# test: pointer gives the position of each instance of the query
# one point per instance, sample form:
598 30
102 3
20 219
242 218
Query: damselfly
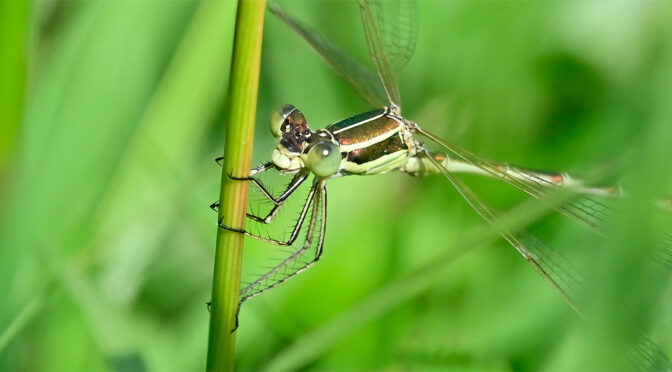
383 140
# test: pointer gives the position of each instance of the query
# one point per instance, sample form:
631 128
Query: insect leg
277 202
295 230
293 265
280 200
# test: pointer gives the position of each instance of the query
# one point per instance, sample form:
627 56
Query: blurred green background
112 112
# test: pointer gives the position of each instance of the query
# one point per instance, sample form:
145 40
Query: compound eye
278 118
324 159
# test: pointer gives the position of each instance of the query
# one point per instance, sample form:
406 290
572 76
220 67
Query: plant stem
13 39
233 195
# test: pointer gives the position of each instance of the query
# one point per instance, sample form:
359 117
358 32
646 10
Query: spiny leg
256 170
295 230
293 185
314 239
253 172
278 202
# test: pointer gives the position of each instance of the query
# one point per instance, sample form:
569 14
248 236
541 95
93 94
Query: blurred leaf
105 223
79 86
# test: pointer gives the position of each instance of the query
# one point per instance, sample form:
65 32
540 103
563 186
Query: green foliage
107 244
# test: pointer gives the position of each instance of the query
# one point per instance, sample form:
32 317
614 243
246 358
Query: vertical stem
233 195
13 39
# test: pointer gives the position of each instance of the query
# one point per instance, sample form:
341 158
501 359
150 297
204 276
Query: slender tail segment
423 166
554 268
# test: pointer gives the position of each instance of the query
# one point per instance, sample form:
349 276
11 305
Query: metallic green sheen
354 119
375 151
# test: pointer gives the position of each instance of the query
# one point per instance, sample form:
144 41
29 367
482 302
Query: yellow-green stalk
233 195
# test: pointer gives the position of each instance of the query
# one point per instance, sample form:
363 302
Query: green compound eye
323 159
278 117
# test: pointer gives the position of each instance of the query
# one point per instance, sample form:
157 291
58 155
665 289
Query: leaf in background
88 99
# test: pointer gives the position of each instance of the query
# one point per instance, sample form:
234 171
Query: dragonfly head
299 147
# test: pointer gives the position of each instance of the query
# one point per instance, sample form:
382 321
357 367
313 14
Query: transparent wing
391 30
362 79
303 252
397 23
537 184
556 270
562 193
552 267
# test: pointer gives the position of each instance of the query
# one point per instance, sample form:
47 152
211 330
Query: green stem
233 195
13 38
